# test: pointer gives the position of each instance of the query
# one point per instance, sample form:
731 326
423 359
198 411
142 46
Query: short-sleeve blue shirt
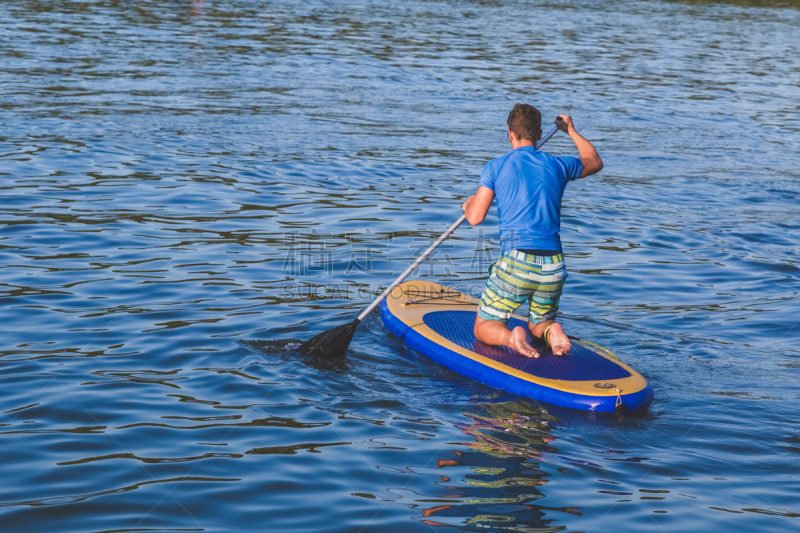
528 186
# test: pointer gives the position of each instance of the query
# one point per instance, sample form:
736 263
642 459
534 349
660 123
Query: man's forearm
589 157
584 147
469 211
477 205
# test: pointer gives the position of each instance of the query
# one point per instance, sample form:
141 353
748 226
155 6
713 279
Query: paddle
334 342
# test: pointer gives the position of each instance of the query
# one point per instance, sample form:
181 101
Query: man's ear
539 137
511 136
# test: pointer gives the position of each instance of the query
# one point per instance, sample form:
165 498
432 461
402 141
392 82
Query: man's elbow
592 166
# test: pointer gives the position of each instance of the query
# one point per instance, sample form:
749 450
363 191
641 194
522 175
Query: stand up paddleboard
438 322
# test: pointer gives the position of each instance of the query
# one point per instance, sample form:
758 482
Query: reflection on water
181 176
502 460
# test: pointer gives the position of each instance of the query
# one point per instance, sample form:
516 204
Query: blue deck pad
580 364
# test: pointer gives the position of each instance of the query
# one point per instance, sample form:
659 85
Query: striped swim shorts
517 277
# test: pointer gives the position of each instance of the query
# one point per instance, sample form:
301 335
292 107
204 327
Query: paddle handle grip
431 248
413 266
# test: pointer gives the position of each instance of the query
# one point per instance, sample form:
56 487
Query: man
528 185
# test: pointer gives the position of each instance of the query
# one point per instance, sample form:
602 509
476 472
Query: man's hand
592 164
467 203
564 123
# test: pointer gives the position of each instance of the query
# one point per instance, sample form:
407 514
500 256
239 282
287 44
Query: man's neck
519 144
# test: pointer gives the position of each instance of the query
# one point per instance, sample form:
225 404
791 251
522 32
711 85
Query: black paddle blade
331 343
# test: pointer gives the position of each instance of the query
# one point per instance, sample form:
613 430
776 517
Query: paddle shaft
413 266
431 248
547 136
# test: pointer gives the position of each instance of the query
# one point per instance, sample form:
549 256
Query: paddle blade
331 343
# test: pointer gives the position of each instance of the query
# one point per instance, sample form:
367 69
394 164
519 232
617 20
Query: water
178 177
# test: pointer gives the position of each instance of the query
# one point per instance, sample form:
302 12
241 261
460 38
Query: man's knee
477 329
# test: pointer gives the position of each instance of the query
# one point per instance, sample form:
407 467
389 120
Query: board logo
604 385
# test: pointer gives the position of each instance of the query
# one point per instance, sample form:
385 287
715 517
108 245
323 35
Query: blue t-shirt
528 186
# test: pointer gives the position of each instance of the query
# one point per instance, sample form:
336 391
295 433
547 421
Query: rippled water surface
178 177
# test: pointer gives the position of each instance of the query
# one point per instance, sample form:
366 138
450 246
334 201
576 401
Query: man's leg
544 306
497 305
497 333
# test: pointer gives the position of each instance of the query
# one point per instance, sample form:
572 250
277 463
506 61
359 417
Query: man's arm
477 205
592 164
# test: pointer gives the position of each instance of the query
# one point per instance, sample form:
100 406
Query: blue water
180 176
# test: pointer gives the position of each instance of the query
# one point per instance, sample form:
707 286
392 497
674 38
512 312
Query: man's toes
561 349
559 341
525 349
521 344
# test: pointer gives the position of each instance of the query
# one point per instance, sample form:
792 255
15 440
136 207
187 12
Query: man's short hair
525 121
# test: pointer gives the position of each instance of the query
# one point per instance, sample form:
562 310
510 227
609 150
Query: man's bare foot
559 341
519 342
